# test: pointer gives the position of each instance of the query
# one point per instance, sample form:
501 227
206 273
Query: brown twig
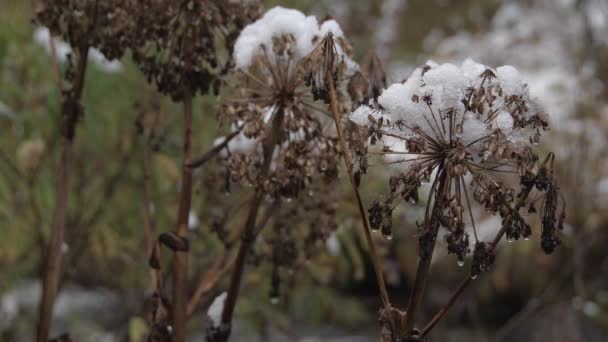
52 269
54 64
221 265
373 253
250 232
424 264
214 150
148 219
180 261
439 315
208 282
465 283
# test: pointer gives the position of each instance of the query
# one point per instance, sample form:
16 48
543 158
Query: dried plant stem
53 257
439 315
180 262
214 150
250 232
207 282
54 64
424 264
148 220
368 236
466 282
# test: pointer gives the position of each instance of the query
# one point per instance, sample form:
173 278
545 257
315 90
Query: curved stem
367 230
250 232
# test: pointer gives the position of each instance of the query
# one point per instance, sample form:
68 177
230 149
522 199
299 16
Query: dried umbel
268 103
179 44
107 25
468 131
369 83
299 233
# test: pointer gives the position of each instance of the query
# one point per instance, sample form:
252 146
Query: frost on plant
474 128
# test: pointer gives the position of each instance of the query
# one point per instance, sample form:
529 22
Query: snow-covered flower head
269 103
469 124
301 33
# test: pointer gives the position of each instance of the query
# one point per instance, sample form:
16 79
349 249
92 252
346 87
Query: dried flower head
465 130
269 104
288 245
178 44
107 25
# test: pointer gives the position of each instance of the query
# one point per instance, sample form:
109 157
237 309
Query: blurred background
561 48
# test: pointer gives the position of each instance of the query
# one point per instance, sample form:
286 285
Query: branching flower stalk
323 67
283 145
347 161
177 45
469 131
77 22
71 112
547 166
180 262
249 234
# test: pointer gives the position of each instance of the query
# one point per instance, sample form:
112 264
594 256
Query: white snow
333 244
544 40
216 308
62 50
446 85
279 21
193 221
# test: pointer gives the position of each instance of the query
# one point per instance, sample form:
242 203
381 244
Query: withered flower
179 44
467 130
268 100
106 25
282 143
369 83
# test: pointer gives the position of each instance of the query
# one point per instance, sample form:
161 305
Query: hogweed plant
176 47
466 134
77 22
283 143
470 132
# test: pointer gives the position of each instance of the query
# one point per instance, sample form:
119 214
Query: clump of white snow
257 37
216 308
42 37
430 91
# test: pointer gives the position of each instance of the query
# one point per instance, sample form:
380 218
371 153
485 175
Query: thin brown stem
208 281
424 264
54 64
53 257
214 150
465 283
439 315
250 232
367 230
180 262
148 219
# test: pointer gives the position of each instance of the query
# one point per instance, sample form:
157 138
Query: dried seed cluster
469 131
176 45
107 25
268 103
